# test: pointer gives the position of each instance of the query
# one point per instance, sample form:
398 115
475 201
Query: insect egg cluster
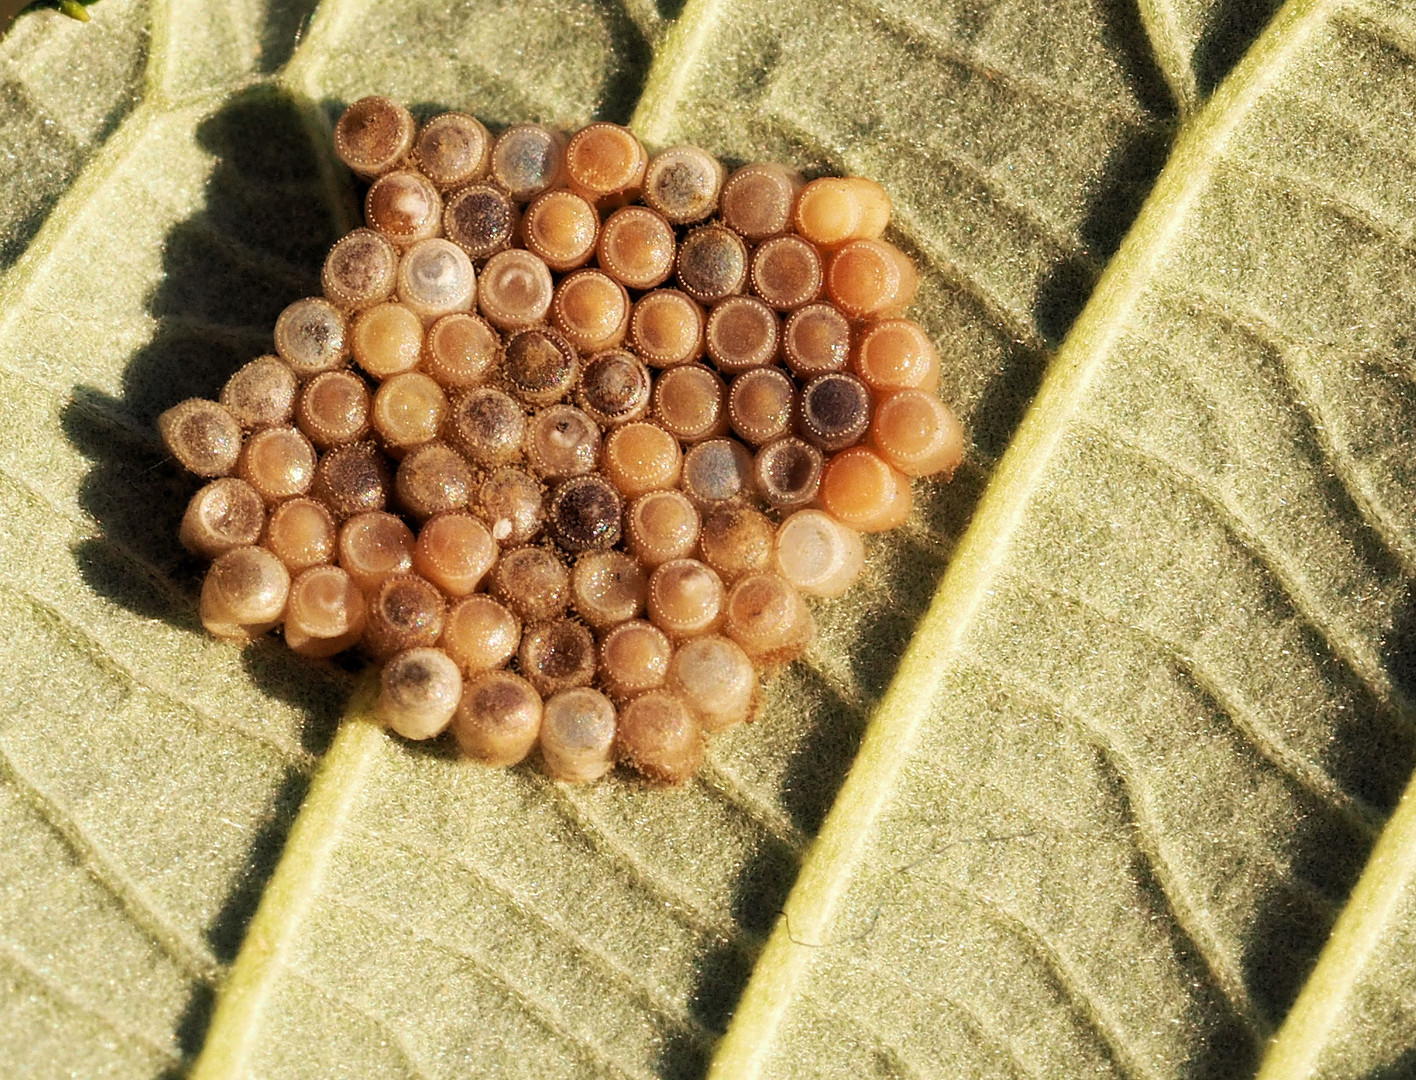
568 438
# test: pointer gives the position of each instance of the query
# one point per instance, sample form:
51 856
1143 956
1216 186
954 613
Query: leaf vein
732 791
543 1015
1202 939
1236 709
1364 666
1039 89
194 958
100 652
1157 19
1059 973
17 958
601 836
390 1033
1369 217
900 1065
646 992
1323 429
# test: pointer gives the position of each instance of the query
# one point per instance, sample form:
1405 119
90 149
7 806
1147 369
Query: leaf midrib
292 890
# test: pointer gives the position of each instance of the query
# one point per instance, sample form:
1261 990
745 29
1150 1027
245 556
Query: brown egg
373 135
453 149
658 738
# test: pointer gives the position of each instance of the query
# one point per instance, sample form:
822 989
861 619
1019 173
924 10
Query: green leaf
1153 726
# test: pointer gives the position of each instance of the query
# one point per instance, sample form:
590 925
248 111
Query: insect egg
827 212
577 735
224 514
915 432
261 394
605 163
642 457
454 551
352 479
666 328
662 525
461 350
634 658
869 279
757 200
592 310
768 619
658 737
608 588
487 426
561 228
360 269
690 402
408 411
435 278
515 290
760 405
244 594
742 333
333 409
513 504
614 388
896 354
682 183
387 340
480 634
433 479
861 489
636 247
557 496
585 513
712 264
717 471
279 462
405 612
833 411
817 554
310 336
737 540
786 272
562 441
533 583
374 545
787 472
325 613
373 135
816 340
453 149
301 534
541 365
527 159
557 655
874 202
202 435
480 219
404 206
419 692
715 680
685 598
498 719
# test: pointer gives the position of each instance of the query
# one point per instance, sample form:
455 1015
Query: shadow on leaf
1403 1067
255 245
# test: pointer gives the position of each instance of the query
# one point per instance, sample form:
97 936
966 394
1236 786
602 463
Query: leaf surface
1132 764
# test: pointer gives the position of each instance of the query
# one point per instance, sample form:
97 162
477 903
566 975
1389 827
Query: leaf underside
1134 764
